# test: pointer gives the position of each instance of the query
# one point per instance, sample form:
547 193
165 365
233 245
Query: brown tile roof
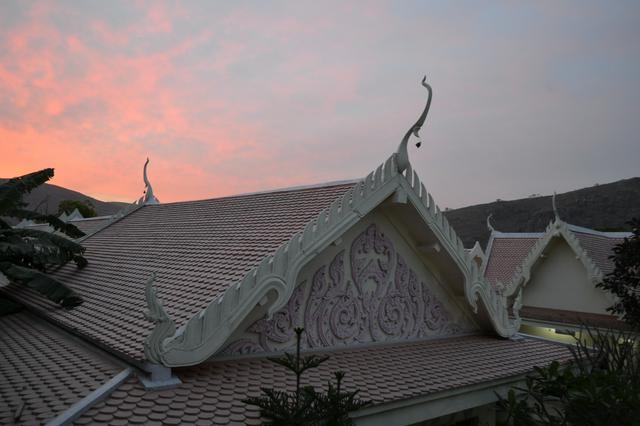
571 317
508 251
507 254
88 225
44 369
212 393
599 248
92 224
197 249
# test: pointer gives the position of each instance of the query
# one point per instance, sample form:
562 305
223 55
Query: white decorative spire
489 225
402 154
163 325
148 198
555 207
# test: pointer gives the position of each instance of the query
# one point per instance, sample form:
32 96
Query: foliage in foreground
624 280
306 406
27 254
85 208
601 386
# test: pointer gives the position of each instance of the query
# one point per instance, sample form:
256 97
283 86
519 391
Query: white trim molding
556 229
270 284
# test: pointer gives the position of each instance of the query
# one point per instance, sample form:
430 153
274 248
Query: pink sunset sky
236 97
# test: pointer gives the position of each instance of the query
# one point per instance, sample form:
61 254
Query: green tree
26 254
85 207
306 406
601 386
624 280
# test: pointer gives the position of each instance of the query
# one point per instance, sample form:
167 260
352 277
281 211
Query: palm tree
27 254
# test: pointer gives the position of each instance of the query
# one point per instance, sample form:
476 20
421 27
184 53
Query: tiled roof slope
508 251
44 369
92 224
86 225
506 254
212 393
571 317
599 248
196 248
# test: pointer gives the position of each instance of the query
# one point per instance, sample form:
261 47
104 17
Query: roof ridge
268 191
606 234
498 234
270 282
115 218
107 216
557 228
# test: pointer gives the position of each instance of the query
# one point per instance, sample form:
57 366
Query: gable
268 287
197 249
372 286
560 280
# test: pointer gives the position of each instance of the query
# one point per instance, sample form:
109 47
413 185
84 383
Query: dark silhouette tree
85 207
600 386
624 280
306 406
25 254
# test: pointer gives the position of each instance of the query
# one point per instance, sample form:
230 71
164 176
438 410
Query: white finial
489 225
148 198
555 207
402 154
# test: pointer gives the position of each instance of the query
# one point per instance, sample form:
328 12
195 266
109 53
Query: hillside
602 207
45 199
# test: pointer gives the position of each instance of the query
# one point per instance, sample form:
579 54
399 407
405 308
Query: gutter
428 407
80 407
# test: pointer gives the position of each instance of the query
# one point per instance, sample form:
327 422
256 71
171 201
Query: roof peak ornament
555 206
148 198
163 325
489 225
402 153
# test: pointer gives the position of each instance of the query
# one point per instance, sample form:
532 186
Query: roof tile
196 248
383 374
45 369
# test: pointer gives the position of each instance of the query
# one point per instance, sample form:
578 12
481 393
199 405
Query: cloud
230 98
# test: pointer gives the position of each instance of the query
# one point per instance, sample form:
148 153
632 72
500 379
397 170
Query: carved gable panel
365 293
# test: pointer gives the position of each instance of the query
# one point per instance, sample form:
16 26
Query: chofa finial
148 198
163 325
489 225
402 154
554 205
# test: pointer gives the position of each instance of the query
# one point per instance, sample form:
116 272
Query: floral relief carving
384 300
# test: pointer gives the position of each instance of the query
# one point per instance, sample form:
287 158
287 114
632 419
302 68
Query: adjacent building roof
212 393
570 318
87 225
196 248
506 252
43 371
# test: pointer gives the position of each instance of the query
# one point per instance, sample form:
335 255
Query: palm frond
12 191
66 228
47 286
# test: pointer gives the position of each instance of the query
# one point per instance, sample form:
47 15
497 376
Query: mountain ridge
45 199
605 207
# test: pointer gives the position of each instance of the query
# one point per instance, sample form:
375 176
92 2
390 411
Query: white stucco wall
560 281
266 336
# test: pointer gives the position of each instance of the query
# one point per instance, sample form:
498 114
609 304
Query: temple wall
560 281
370 286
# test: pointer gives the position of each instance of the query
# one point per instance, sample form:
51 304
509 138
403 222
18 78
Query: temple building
558 271
184 301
